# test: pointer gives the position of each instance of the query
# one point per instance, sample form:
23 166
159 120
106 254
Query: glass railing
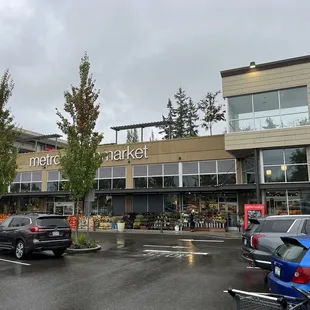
269 122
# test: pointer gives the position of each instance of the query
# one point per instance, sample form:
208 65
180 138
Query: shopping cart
261 301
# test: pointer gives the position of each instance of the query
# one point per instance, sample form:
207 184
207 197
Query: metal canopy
141 125
27 137
136 126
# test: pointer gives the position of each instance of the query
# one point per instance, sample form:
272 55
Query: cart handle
281 300
303 292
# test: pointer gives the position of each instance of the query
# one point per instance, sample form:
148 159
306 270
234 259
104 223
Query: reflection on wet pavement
131 272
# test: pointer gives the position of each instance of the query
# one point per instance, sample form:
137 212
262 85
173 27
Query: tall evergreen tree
168 130
152 137
132 136
213 112
191 119
8 135
129 136
181 113
135 136
80 160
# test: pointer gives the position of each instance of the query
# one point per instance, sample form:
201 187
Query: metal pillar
141 134
56 144
257 178
116 136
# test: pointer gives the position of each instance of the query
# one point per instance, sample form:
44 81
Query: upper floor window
268 110
209 173
285 165
156 175
110 178
27 182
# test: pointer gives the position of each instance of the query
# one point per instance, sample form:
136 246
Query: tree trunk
210 126
77 220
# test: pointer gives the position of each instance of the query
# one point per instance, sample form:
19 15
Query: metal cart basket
261 301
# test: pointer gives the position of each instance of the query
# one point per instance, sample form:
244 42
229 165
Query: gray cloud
141 51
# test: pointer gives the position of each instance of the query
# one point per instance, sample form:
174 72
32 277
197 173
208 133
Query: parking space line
175 252
14 262
166 246
204 240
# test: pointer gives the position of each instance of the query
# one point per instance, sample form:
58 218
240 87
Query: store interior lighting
283 167
268 172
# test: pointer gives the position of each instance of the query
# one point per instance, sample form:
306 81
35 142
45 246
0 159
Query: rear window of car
291 252
254 226
277 225
52 222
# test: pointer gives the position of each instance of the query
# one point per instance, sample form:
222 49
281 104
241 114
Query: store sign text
118 155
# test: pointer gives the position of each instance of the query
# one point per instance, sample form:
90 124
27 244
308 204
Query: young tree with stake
213 112
80 160
8 135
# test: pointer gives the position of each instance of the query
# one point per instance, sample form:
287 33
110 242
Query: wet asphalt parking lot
132 271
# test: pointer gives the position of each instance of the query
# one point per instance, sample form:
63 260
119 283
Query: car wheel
20 249
59 253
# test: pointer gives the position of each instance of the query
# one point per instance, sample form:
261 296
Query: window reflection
190 180
285 165
268 110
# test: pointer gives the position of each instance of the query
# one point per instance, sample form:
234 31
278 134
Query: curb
82 251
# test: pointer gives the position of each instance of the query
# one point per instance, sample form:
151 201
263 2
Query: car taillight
301 275
254 240
36 229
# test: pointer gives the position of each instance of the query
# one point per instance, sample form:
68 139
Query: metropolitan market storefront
145 180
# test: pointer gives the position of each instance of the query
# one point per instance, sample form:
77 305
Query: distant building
30 141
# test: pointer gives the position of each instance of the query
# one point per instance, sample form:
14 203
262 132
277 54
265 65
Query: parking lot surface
130 272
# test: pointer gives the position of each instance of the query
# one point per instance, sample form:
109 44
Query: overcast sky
141 51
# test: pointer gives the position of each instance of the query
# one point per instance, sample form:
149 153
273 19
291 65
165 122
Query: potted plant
120 225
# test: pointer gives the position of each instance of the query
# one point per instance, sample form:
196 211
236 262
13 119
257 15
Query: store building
263 157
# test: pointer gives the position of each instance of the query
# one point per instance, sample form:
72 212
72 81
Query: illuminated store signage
117 155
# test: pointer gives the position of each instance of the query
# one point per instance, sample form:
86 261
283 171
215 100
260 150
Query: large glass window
268 110
55 181
110 178
27 182
156 175
285 165
248 170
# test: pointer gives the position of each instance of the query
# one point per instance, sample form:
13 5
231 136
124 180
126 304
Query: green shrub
91 244
82 240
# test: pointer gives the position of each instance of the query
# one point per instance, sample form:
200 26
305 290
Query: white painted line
166 246
176 252
204 240
14 262
249 267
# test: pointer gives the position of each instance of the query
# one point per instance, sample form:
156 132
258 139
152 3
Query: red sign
252 211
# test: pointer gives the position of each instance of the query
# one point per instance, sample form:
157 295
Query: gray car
29 233
263 236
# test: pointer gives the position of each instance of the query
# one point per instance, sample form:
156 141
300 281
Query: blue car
291 266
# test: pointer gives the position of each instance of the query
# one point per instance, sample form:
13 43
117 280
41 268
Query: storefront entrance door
231 209
64 208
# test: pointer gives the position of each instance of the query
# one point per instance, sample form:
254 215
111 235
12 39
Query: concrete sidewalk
224 235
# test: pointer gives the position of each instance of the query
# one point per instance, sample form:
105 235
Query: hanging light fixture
252 65
284 167
268 172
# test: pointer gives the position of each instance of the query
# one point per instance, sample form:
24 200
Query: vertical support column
116 136
56 143
141 134
257 179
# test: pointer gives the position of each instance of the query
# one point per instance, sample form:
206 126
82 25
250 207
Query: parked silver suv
263 236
